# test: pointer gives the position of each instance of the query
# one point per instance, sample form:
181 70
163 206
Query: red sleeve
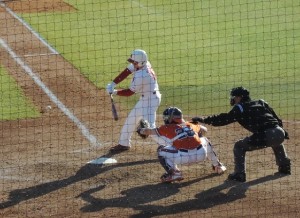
125 92
123 75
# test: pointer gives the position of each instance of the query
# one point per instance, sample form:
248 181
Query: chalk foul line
85 131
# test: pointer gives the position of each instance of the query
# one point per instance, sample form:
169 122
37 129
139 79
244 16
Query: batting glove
110 87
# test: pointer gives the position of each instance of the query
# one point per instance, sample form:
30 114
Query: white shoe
219 169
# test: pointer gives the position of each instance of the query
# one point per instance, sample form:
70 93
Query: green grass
14 104
199 49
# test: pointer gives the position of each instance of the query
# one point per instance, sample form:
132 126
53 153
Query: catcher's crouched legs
172 172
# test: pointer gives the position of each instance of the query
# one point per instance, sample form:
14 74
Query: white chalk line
85 131
38 55
29 28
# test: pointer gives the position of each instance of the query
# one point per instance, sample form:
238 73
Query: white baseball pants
146 109
173 156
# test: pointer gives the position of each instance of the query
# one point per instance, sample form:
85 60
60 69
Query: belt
187 150
152 93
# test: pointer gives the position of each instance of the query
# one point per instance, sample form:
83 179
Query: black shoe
285 169
118 149
240 177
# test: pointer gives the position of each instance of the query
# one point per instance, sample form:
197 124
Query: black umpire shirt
255 116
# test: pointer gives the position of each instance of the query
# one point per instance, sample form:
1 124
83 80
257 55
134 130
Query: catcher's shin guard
164 164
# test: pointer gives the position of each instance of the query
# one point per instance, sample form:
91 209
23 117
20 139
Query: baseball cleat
168 178
285 169
240 177
220 168
119 148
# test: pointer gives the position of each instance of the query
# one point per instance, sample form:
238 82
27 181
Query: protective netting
56 121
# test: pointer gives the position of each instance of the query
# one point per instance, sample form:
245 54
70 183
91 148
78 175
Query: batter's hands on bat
110 88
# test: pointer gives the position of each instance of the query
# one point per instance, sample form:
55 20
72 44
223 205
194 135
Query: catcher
180 142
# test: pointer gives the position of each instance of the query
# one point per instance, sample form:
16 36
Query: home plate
103 160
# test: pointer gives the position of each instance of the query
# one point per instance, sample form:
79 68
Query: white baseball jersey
144 83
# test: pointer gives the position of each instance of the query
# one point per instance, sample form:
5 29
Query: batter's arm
125 92
123 75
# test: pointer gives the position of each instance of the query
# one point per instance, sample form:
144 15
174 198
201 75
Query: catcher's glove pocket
142 124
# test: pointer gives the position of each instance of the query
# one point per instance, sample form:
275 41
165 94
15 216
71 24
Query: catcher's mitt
142 124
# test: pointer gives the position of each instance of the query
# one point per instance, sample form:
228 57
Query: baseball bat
113 108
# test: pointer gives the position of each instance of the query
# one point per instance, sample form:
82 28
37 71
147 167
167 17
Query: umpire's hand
197 120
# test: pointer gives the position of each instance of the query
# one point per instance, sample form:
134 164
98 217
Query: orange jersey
183 136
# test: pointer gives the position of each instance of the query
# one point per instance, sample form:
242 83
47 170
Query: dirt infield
44 162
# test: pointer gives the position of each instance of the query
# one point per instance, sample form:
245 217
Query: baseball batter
144 83
181 142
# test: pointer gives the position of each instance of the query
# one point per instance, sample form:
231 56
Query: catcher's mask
138 57
170 114
241 92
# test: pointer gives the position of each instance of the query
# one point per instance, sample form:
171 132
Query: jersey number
187 130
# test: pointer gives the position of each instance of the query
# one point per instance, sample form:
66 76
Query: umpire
261 120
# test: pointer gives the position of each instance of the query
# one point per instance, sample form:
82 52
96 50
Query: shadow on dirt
87 171
206 199
141 203
131 198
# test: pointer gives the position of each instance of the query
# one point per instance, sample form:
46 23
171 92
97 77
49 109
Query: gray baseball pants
272 137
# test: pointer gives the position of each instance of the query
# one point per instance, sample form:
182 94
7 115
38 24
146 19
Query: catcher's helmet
170 114
138 56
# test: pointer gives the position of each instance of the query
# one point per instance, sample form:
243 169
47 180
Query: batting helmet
138 56
170 114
